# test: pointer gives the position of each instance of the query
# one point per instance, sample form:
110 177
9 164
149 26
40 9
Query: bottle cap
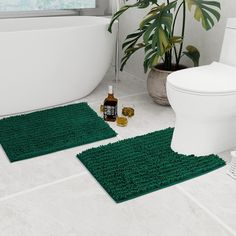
110 89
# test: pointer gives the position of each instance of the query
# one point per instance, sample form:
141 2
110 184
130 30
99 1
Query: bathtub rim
102 21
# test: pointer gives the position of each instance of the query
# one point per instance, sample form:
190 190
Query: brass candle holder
128 111
101 108
121 121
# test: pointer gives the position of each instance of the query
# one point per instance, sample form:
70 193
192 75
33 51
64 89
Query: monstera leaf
159 21
139 4
193 54
155 30
205 11
131 45
129 52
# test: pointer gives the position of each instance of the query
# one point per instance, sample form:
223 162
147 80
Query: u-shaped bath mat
137 166
51 130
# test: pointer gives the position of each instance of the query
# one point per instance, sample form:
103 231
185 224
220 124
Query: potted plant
156 35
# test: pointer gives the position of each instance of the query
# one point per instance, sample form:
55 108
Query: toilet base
202 138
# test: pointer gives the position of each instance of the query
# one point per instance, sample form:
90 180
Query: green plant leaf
131 45
133 38
205 11
192 53
118 14
139 4
129 52
176 40
159 21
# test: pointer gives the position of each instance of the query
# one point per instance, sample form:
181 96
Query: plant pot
156 86
156 83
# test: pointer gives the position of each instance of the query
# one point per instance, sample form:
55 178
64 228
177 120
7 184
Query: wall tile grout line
132 95
69 103
205 209
121 97
126 73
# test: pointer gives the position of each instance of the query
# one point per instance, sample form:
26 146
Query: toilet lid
213 78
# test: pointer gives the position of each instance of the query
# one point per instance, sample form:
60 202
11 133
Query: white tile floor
54 195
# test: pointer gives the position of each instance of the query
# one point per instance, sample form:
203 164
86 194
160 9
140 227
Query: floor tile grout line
42 186
119 138
205 209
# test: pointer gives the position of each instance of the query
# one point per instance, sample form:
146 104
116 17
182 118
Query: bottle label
110 111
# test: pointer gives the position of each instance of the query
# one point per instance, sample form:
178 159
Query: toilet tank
228 51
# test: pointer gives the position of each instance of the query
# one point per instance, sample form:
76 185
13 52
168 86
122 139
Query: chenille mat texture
47 131
133 167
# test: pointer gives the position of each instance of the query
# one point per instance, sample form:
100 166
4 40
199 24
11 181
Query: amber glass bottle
110 106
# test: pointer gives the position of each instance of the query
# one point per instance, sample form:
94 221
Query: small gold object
128 111
102 108
122 121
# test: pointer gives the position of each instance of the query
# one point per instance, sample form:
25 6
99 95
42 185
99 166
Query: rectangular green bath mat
51 130
137 166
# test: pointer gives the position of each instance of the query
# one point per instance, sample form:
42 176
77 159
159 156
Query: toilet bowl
204 101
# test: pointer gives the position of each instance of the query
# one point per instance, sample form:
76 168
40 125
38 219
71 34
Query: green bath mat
140 165
51 130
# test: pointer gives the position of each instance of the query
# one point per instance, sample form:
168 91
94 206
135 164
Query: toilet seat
214 79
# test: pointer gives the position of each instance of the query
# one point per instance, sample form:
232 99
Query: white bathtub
51 60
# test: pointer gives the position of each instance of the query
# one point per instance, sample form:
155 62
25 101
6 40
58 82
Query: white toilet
204 101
